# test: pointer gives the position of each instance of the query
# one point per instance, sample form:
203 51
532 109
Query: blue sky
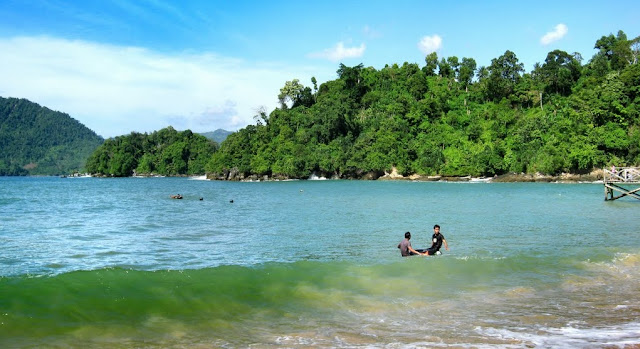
125 65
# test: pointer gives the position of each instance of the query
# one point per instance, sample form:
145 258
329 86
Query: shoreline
593 177
596 176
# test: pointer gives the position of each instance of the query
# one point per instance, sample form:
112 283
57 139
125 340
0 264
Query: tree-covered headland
450 117
164 152
35 140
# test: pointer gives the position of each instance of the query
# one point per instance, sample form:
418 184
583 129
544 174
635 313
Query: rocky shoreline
594 176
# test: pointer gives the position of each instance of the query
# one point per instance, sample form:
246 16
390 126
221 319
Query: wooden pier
620 180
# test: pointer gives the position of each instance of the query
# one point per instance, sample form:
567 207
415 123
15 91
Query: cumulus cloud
559 31
340 52
430 44
115 90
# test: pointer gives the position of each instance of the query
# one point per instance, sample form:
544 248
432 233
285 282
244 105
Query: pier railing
618 179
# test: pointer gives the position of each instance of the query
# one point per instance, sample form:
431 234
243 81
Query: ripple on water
56 265
109 253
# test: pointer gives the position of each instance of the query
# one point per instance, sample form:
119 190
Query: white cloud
339 52
115 90
430 44
558 33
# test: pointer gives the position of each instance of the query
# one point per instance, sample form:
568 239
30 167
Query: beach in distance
116 263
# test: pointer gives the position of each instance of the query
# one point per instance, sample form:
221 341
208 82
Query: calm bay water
117 263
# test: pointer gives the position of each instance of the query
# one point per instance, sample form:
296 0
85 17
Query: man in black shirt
436 242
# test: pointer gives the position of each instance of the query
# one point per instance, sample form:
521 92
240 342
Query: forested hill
165 152
450 117
35 140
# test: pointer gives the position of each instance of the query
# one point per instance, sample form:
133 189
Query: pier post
619 180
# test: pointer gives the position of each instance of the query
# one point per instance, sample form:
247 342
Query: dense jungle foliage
165 152
450 117
35 140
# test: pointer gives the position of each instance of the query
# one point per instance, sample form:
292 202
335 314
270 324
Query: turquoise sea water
116 263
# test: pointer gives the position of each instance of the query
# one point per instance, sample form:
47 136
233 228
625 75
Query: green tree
353 82
295 94
616 49
467 71
504 73
445 69
432 63
560 72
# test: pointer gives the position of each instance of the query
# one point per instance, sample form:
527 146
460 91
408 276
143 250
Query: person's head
436 228
407 235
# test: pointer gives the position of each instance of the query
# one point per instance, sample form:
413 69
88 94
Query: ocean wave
478 302
622 272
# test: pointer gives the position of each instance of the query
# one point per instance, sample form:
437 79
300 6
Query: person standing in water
436 242
405 246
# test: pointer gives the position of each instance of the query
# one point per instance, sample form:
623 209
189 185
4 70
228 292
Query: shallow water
117 263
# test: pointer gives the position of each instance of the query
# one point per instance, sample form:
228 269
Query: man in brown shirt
405 246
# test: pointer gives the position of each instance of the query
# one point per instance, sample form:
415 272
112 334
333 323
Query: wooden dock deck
620 181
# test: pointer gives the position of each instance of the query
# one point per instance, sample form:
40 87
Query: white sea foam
480 180
198 178
571 337
476 257
77 175
315 177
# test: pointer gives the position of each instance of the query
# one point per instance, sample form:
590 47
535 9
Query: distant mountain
218 135
35 140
